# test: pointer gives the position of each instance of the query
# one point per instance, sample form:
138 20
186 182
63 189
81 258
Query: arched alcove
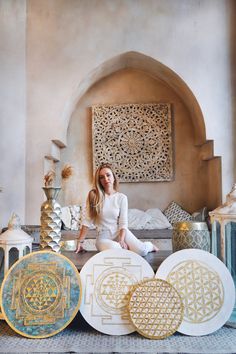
135 78
151 67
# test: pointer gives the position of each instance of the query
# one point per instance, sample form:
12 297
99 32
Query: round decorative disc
205 286
107 279
40 294
156 309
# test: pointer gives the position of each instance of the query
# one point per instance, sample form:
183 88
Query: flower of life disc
205 286
107 279
41 294
156 309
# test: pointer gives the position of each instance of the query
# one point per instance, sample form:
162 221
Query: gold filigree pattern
112 290
200 288
40 294
156 309
136 139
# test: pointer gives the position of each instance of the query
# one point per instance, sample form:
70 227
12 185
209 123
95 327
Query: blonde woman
107 209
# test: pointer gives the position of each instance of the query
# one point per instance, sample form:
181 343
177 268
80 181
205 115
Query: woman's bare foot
155 249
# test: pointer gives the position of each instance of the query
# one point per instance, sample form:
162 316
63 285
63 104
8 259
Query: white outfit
114 217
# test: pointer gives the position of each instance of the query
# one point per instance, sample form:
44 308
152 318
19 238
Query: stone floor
79 337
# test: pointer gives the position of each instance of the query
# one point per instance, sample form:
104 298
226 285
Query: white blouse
114 215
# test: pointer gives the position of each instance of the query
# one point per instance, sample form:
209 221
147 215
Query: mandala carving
136 139
201 290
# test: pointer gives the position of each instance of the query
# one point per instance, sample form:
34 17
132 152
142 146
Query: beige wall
67 40
190 184
12 109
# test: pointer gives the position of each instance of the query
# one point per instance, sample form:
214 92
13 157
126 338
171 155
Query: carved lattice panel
136 139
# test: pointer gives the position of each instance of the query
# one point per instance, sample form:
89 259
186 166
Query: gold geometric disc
205 286
156 309
40 294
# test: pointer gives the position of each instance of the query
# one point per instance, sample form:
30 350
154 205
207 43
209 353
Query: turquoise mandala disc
41 294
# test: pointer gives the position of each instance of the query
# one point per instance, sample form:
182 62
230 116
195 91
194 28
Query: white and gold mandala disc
107 279
155 308
205 286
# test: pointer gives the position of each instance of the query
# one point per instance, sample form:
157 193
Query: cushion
71 217
75 217
175 213
66 217
158 220
137 219
200 215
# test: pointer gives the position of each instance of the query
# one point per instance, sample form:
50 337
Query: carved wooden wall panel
136 139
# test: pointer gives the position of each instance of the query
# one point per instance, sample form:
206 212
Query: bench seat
79 259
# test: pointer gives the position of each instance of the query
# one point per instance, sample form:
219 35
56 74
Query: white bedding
150 219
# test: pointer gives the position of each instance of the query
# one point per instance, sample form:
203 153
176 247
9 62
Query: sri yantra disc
107 279
156 309
41 294
205 286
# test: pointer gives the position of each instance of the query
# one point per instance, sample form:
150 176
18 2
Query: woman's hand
79 248
81 238
122 240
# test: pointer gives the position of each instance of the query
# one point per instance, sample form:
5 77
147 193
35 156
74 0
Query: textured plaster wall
12 109
68 39
125 86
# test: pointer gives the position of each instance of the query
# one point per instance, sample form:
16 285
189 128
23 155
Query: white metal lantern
223 221
14 243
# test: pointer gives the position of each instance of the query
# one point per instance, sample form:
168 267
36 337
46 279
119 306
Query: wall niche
197 173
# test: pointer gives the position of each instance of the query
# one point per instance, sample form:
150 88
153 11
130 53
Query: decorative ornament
205 286
191 234
50 232
41 294
107 279
14 244
223 221
156 309
136 139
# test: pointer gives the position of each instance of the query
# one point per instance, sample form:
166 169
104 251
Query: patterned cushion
175 213
75 216
71 217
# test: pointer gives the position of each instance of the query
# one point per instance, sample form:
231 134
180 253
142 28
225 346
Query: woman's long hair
96 195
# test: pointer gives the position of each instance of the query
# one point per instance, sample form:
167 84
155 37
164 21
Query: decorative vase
50 231
191 234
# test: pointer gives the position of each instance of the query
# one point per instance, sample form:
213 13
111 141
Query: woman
108 211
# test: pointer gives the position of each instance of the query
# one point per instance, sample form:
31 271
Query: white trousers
106 240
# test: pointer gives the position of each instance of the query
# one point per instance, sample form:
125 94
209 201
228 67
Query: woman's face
106 178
